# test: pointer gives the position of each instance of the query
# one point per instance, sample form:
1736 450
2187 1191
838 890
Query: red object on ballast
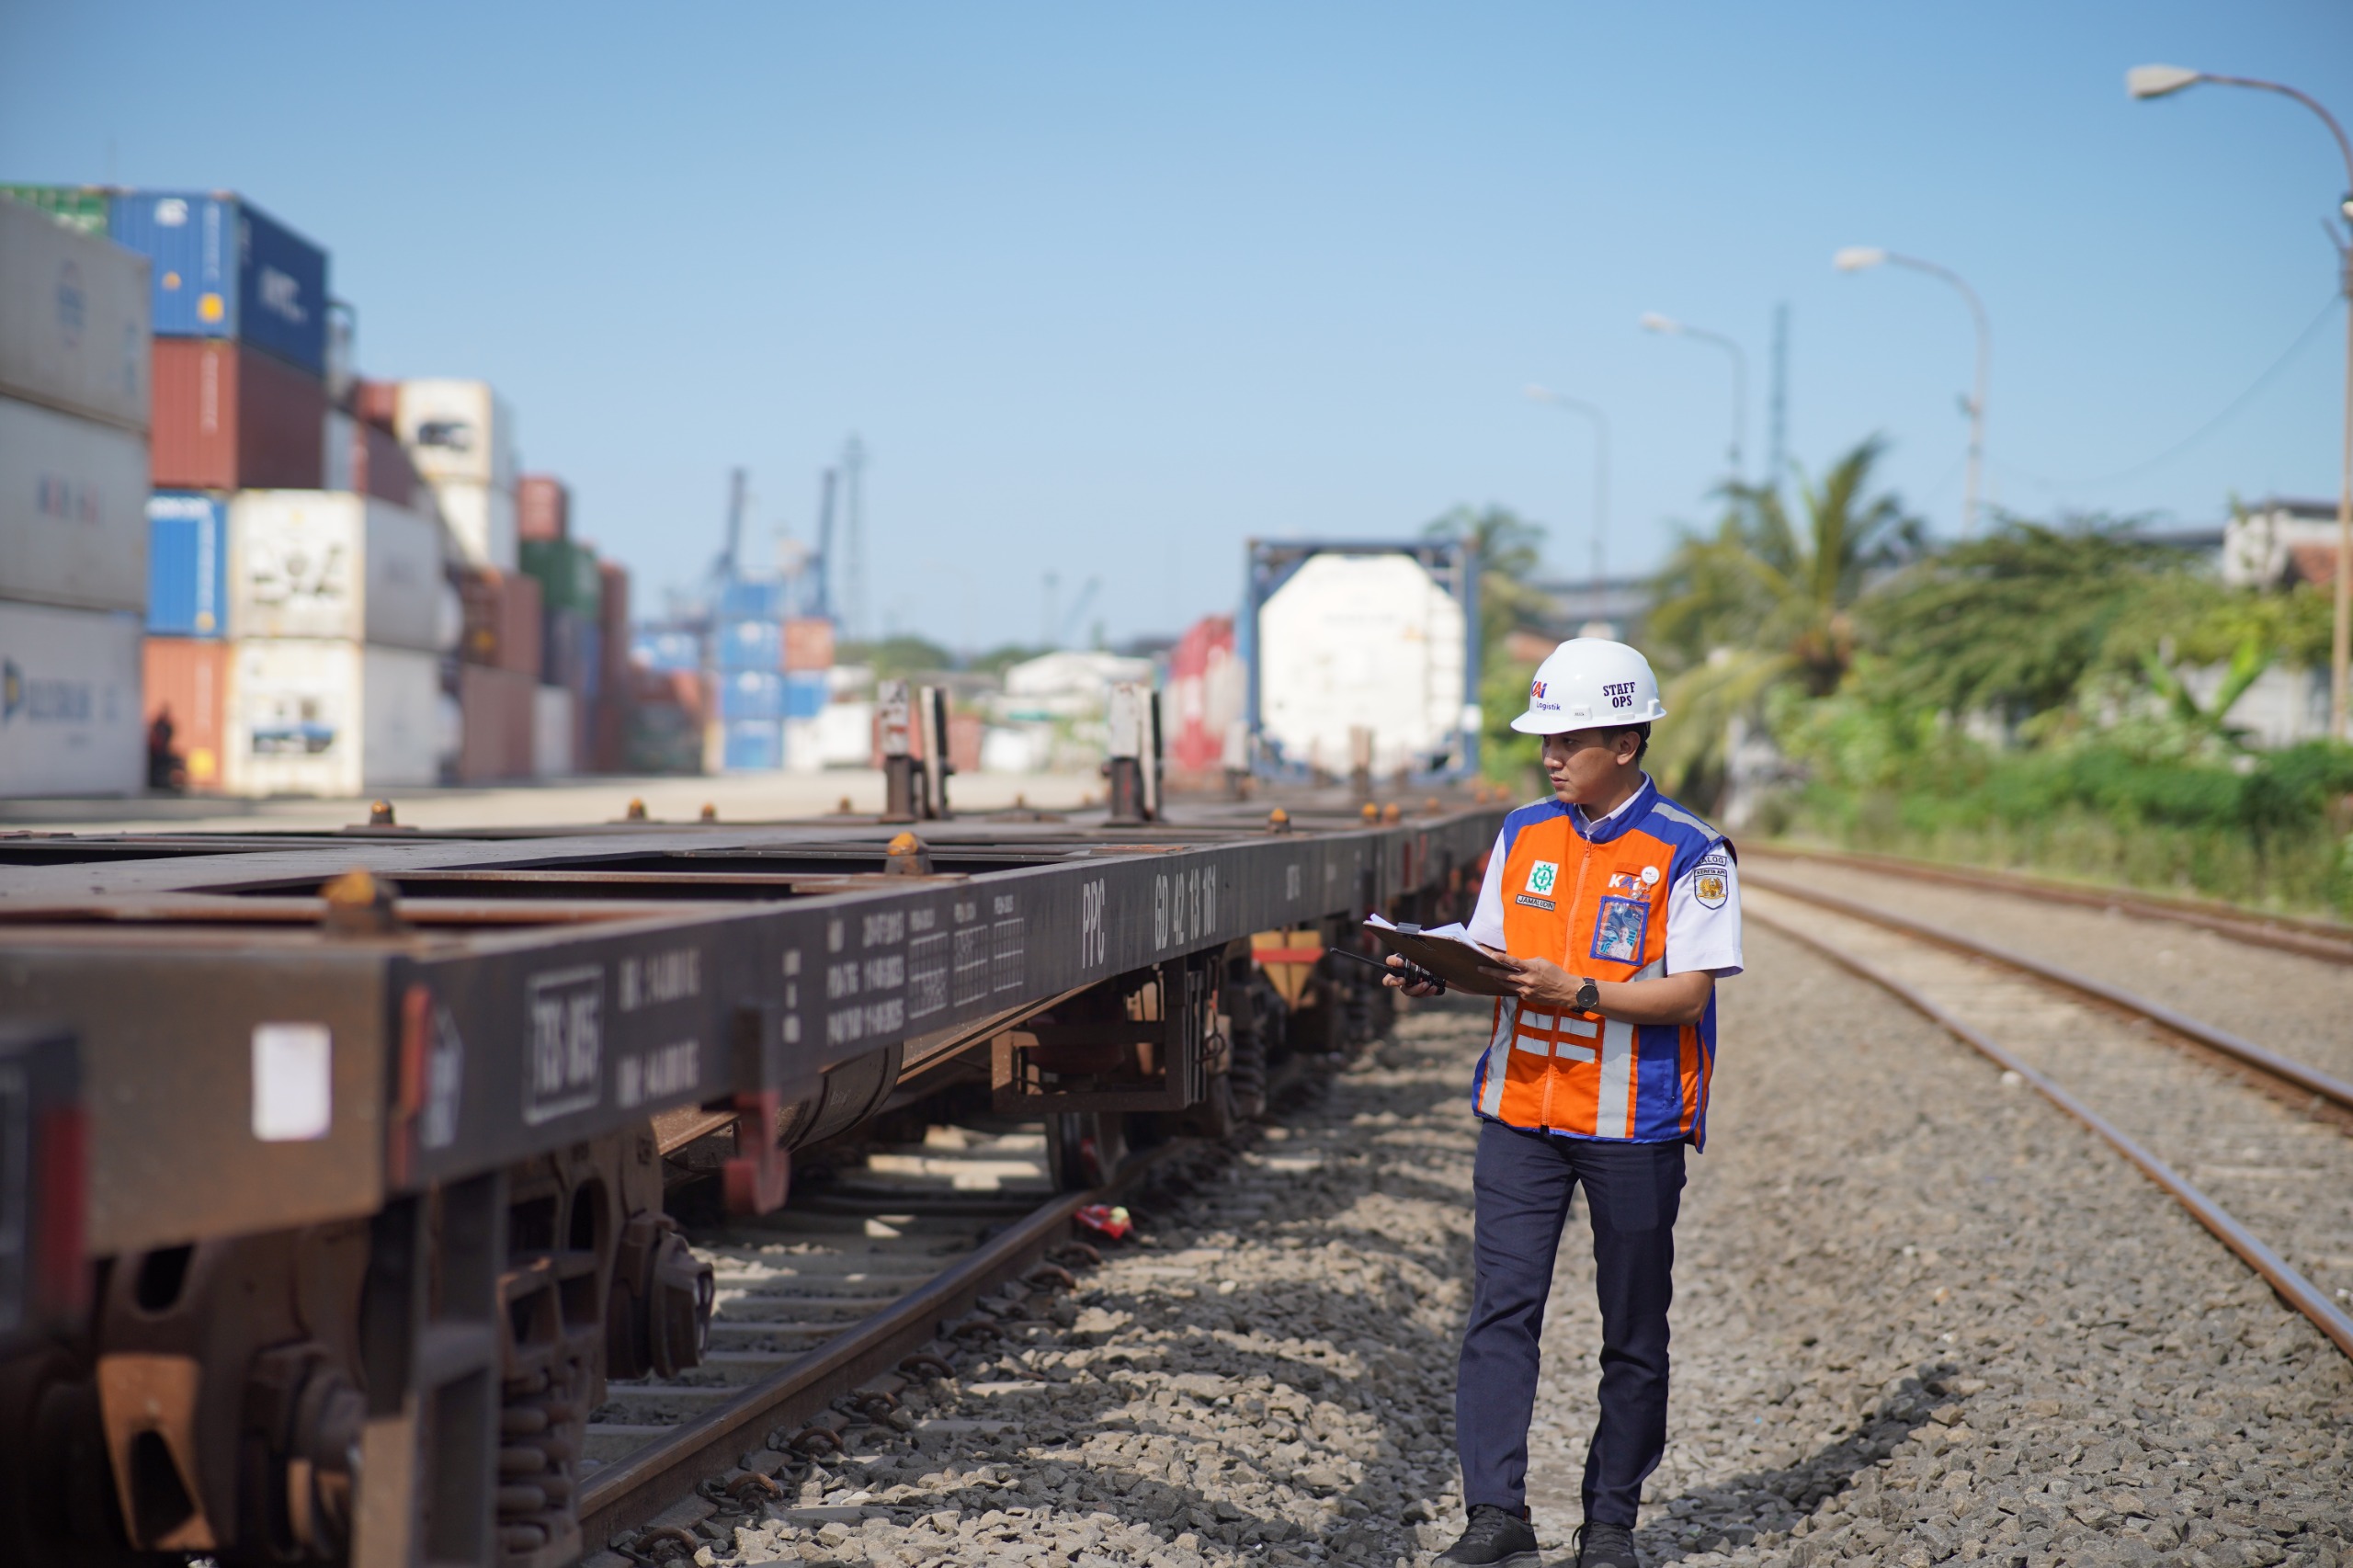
1105 1221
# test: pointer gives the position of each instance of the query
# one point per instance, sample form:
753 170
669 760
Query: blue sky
1108 290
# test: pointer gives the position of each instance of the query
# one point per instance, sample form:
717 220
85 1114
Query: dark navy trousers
1522 1184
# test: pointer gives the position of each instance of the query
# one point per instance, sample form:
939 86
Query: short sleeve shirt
1702 932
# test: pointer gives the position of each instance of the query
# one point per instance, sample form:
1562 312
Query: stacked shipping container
327 569
74 454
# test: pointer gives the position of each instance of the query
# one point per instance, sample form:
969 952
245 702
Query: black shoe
1497 1539
1606 1546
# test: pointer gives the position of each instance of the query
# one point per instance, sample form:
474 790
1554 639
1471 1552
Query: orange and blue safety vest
1593 898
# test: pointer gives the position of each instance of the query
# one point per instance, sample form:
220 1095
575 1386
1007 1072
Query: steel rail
630 1491
2286 1069
2293 934
2277 1272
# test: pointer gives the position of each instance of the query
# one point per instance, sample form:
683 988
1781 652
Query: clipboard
1460 964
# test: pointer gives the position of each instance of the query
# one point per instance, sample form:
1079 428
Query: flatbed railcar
384 1126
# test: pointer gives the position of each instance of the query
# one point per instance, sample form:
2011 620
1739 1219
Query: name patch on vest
1533 903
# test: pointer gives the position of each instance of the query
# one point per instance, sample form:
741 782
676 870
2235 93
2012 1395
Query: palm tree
1764 603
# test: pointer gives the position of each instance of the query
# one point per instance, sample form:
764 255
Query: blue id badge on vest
1619 929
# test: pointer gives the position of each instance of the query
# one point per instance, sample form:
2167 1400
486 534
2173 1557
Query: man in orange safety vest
1612 913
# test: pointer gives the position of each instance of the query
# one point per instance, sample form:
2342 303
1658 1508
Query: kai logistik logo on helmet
1590 683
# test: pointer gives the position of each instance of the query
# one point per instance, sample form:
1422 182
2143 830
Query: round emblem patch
1649 876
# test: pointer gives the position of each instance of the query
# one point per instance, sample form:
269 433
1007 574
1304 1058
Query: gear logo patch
1542 875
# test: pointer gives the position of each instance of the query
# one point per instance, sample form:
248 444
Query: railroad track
816 1300
830 1307
2325 940
2250 1142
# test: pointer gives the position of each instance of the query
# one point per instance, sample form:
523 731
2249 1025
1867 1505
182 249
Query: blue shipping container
805 693
223 268
743 600
663 648
187 564
751 694
751 646
572 652
754 746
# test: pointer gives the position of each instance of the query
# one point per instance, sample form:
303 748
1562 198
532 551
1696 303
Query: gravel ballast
2292 1002
1921 1317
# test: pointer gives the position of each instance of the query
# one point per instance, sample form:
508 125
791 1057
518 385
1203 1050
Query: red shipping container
1205 694
501 620
187 679
607 736
495 711
681 689
376 403
229 418
808 643
381 466
542 507
614 616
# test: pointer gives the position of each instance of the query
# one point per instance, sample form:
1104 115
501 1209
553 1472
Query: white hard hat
1590 683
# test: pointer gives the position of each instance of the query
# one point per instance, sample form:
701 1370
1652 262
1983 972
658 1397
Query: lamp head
1654 322
2156 81
1537 392
1857 259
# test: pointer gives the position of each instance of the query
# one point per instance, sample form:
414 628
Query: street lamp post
2155 82
1600 422
1668 326
1859 259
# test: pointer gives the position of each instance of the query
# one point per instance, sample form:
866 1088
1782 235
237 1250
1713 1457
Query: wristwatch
1588 996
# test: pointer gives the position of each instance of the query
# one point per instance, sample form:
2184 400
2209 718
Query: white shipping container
480 521
339 435
316 717
72 510
846 734
323 564
70 723
554 725
74 319
457 429
1361 640
804 745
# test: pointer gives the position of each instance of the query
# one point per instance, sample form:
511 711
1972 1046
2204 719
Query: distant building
1615 608
2276 542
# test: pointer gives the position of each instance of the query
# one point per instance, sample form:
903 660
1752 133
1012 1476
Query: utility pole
731 563
854 497
821 603
1779 437
2155 82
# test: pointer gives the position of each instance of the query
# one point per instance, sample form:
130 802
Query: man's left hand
1545 984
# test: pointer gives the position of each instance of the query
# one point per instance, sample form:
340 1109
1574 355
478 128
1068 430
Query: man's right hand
1396 978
